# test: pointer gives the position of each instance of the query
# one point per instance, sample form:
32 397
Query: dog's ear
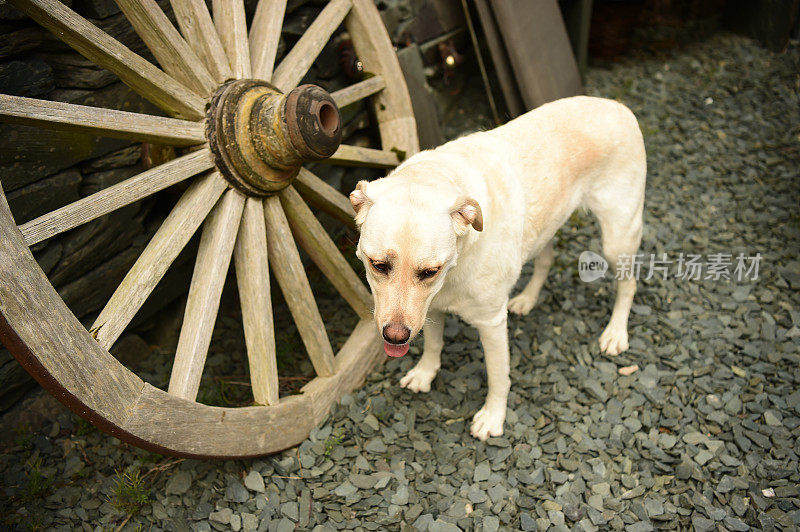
464 213
360 202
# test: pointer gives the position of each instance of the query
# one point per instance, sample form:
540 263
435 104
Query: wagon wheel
244 141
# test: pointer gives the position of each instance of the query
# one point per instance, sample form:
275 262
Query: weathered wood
359 91
352 364
265 33
231 26
392 105
168 47
310 234
98 121
324 197
288 269
357 156
252 275
422 97
152 264
116 196
96 45
210 270
297 62
198 29
215 432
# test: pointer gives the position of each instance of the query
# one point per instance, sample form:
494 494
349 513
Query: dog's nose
394 333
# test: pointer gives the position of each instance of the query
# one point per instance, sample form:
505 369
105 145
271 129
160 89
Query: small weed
37 484
130 493
22 437
83 427
333 441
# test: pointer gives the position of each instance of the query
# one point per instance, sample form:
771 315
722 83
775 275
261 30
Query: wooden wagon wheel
244 140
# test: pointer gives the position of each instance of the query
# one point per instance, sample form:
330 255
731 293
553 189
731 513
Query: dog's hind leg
523 302
419 378
621 224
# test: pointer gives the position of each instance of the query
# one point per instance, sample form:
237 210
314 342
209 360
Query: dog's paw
418 379
488 422
614 341
521 304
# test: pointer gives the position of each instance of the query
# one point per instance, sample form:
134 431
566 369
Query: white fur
527 176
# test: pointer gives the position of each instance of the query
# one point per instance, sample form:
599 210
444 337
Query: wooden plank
538 49
265 33
202 304
288 270
357 156
116 196
422 97
324 197
231 26
252 277
99 121
359 91
313 238
105 51
353 363
502 66
198 29
392 105
162 250
168 47
297 62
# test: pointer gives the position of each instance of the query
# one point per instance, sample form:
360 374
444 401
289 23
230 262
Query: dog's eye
427 273
382 267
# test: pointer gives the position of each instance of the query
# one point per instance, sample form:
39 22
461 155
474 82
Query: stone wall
41 170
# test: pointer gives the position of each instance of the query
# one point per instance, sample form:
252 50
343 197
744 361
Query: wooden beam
105 51
357 156
202 304
162 250
324 197
252 276
359 91
198 29
168 47
229 18
99 121
318 244
265 32
112 198
297 62
288 270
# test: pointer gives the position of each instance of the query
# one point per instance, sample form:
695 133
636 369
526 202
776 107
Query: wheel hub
260 137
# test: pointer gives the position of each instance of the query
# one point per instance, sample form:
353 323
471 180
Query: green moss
401 154
333 441
130 492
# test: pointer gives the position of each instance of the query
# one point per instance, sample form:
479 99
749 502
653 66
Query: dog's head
409 241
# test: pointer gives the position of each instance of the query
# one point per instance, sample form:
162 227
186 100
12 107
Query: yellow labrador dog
450 228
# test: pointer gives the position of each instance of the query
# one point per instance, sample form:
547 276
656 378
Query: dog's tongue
394 350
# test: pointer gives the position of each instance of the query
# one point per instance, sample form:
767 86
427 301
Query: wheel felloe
260 137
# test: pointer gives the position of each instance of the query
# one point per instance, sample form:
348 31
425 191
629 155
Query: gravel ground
704 434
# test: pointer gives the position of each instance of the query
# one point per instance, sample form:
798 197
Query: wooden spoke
105 51
288 270
359 91
318 244
374 49
116 196
99 121
358 156
167 45
161 251
198 29
265 32
297 62
324 197
231 26
210 270
252 276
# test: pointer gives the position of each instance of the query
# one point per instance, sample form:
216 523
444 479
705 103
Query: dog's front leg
420 377
489 419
